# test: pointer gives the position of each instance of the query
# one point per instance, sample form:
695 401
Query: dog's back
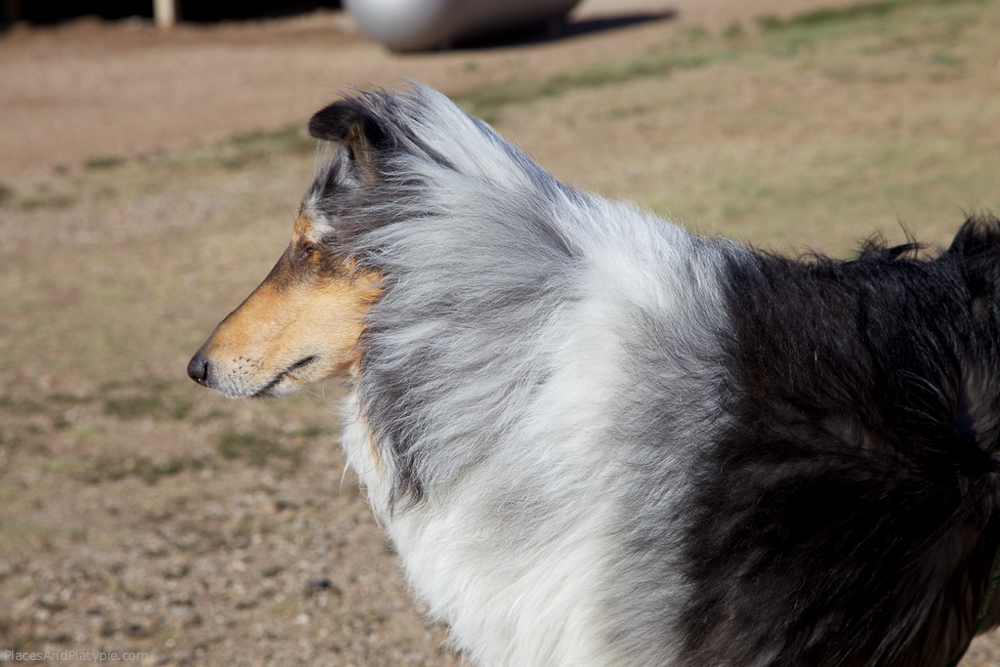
597 440
857 482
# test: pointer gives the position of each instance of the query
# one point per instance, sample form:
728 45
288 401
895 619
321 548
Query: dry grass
811 135
138 513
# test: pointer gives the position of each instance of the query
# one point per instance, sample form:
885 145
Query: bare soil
148 180
95 89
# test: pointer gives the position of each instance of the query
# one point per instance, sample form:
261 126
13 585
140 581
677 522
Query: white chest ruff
515 587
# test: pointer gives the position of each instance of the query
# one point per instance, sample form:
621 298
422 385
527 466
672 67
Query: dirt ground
90 89
141 177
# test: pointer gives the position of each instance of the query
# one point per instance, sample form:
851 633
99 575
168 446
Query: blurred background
149 177
47 12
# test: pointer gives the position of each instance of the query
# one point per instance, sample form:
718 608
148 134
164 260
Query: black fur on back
849 516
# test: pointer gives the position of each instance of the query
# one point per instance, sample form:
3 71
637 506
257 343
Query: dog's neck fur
514 380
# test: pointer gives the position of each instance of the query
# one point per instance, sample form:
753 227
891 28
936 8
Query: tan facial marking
302 228
301 325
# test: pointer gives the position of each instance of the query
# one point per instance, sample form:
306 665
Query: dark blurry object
165 11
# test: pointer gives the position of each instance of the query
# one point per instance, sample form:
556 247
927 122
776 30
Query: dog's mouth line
266 390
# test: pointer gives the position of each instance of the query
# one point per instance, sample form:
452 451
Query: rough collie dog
595 439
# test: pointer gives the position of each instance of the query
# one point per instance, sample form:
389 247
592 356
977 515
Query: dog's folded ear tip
331 123
350 122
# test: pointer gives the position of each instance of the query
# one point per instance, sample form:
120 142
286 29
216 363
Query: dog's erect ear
353 125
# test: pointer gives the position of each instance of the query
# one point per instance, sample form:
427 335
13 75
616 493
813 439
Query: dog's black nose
198 369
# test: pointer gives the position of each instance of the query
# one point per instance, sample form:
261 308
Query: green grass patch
828 15
159 400
6 194
249 148
254 449
291 136
113 469
944 59
695 48
734 32
313 431
47 200
107 162
851 13
133 407
151 407
487 102
240 152
22 405
867 28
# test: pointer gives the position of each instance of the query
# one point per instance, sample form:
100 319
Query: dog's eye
304 252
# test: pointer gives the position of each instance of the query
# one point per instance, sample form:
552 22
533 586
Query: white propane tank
414 25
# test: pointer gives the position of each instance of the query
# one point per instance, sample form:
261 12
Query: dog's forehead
309 226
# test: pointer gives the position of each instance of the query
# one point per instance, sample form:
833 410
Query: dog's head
304 322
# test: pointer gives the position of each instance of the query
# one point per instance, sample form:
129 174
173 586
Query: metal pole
165 13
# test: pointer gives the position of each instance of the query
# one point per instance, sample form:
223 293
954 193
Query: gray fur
488 262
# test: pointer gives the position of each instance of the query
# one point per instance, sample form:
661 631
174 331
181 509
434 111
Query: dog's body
597 440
